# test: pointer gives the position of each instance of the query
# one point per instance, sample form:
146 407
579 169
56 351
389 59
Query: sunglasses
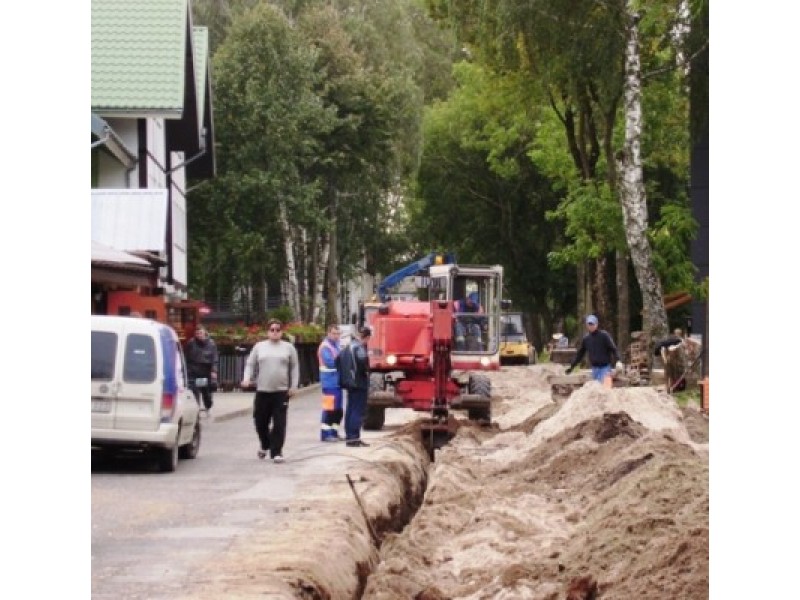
274 329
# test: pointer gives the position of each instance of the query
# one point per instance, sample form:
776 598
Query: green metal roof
138 56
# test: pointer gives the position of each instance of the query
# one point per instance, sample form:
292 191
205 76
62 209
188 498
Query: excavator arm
415 268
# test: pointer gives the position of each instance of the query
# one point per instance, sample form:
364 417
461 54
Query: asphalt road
152 531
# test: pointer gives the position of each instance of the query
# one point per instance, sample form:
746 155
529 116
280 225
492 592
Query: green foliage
320 108
268 121
671 238
475 166
571 57
303 333
284 314
593 223
687 397
318 113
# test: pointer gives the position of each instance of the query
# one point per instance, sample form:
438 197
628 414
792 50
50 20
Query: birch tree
632 190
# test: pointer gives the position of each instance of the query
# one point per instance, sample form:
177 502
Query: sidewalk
229 405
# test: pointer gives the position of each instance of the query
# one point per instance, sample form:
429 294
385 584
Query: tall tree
579 51
269 120
476 165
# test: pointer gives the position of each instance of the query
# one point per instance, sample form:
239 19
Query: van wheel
168 457
191 449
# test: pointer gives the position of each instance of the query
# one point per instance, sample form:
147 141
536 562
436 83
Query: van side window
104 354
140 359
180 366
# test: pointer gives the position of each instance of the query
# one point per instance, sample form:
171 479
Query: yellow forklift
514 345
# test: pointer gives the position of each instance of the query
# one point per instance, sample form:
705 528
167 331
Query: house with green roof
152 134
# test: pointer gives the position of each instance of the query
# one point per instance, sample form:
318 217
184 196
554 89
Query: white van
140 397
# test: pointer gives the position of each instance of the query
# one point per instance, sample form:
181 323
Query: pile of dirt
606 492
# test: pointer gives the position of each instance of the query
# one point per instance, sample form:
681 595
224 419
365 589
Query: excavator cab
475 293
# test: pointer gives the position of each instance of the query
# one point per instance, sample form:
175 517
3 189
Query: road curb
232 415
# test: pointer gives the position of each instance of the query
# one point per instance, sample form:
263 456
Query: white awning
106 254
130 219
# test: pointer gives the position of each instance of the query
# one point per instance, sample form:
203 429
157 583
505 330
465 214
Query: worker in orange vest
332 407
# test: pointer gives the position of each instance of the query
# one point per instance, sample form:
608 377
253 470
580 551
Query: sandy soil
606 491
602 495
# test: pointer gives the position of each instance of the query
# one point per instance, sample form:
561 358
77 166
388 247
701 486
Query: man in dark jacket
601 349
201 364
354 377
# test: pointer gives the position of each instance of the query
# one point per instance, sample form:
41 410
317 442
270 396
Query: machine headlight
391 359
485 361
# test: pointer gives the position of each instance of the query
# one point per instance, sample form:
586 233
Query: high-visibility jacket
326 356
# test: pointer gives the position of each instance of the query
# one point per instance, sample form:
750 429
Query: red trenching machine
431 355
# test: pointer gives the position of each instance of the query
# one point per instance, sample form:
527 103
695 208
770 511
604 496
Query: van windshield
104 354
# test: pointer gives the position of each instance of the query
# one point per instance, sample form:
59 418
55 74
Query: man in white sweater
278 373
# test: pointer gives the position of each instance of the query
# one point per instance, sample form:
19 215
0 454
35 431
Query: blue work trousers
354 413
599 373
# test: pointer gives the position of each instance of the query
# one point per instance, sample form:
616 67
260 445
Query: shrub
284 314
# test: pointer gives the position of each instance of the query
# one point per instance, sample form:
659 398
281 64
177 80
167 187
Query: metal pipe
203 147
104 139
186 162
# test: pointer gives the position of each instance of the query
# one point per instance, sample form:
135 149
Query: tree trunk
323 264
259 288
332 280
292 297
602 302
312 251
305 276
623 315
623 303
632 191
584 300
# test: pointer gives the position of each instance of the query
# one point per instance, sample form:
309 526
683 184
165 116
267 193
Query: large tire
481 386
191 449
168 457
374 418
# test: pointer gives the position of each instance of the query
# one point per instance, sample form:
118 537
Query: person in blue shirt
468 328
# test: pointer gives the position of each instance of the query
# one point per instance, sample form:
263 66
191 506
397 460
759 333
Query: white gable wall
179 233
157 153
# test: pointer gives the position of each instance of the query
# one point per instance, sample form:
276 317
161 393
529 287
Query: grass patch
687 397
